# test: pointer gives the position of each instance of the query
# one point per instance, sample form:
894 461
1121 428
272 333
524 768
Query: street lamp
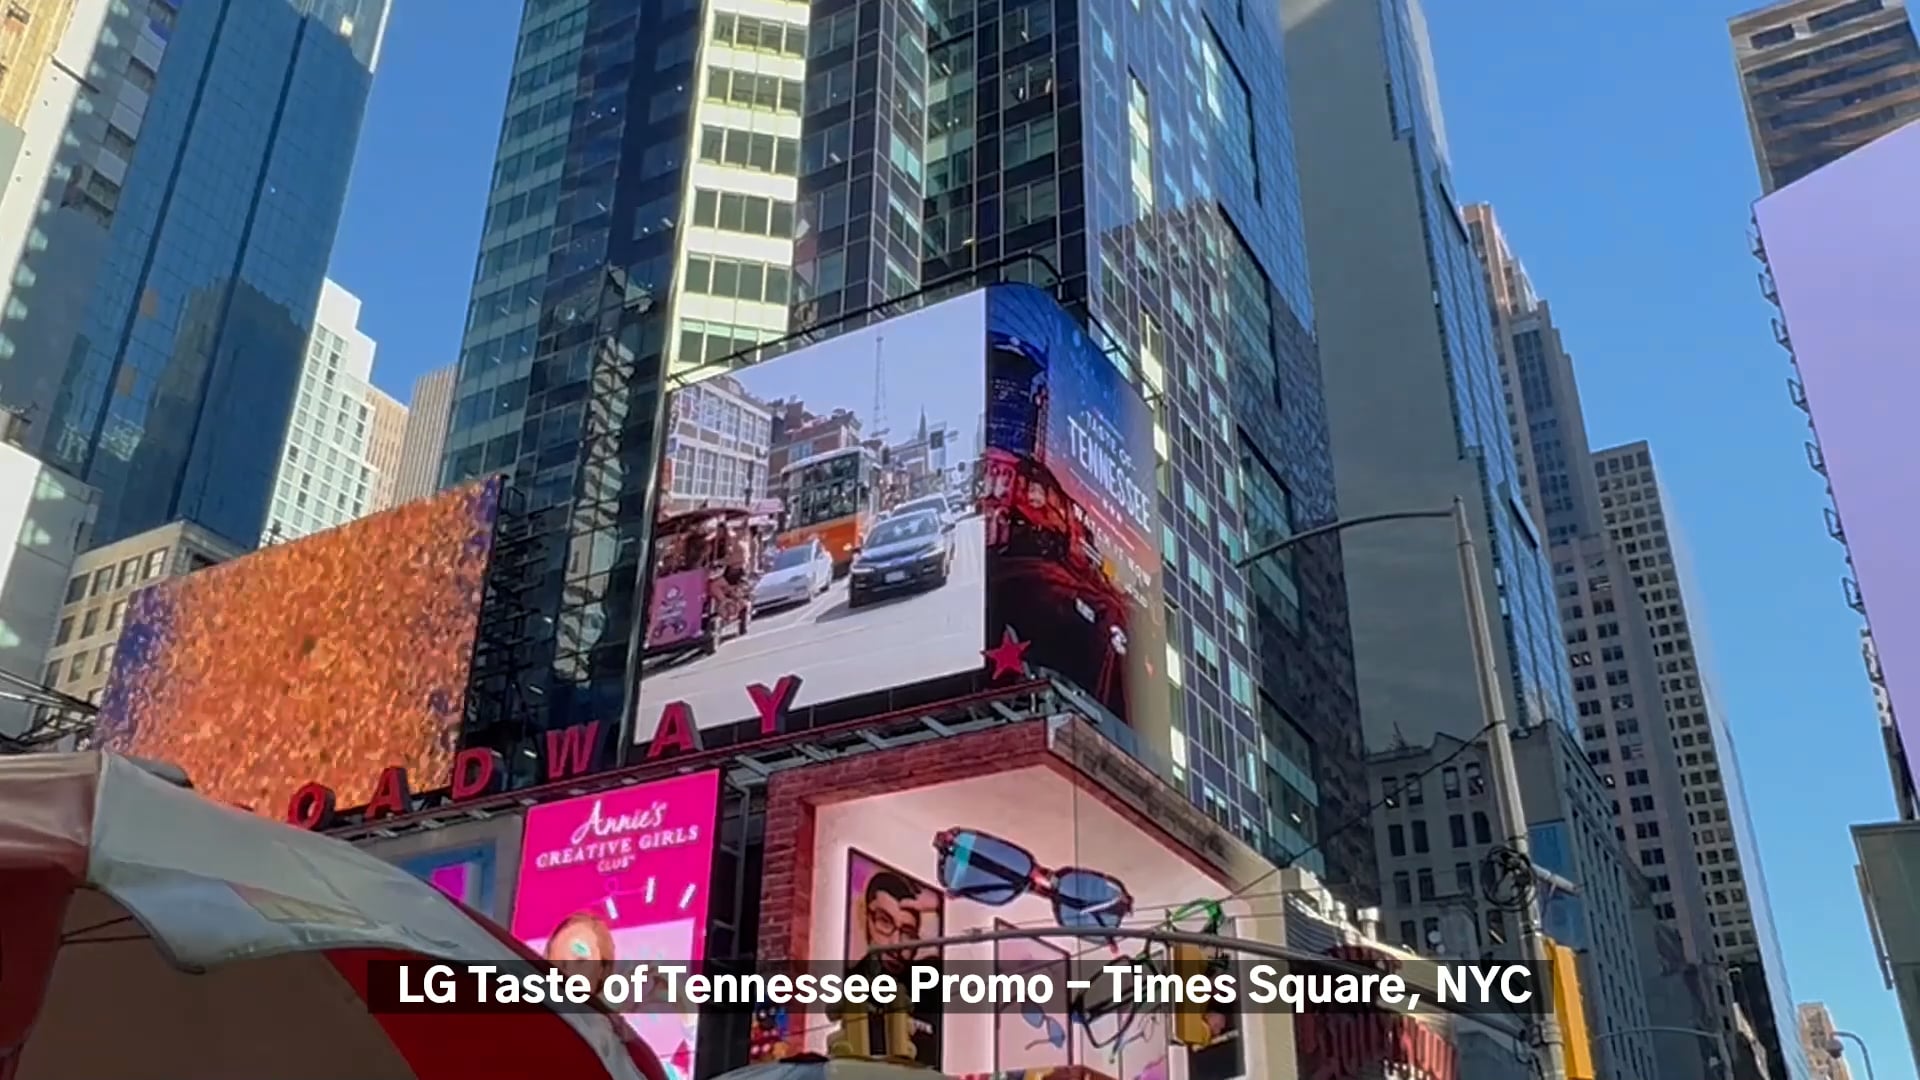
1834 1048
1718 1038
1493 706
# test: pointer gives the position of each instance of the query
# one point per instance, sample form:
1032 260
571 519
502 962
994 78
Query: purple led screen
1844 248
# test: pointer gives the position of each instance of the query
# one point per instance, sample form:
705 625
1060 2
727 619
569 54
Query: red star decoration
1009 657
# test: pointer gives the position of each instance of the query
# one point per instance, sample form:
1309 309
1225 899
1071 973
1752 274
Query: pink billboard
622 878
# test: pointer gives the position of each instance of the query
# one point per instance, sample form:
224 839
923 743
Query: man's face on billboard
889 922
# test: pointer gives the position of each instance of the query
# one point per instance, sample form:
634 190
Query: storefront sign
570 753
1351 1045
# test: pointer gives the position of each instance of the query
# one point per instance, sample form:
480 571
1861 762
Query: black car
908 553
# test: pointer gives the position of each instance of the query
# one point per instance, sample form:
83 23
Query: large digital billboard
1841 244
838 539
883 508
1073 533
1024 847
328 658
622 878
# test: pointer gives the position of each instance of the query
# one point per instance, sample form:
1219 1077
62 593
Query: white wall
44 518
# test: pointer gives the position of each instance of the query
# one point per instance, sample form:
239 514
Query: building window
1482 828
76 588
1231 105
1450 782
1140 135
90 623
65 633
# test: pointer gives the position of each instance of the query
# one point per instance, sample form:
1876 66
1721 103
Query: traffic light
1190 1018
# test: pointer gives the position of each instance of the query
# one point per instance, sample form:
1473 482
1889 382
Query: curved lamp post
1718 1038
1493 707
1834 1047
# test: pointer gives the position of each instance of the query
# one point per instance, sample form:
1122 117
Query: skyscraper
73 97
425 438
1151 187
1639 520
325 477
1816 1037
1821 78
212 212
386 442
1413 382
1617 687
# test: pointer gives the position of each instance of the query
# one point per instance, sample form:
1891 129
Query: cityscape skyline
1481 116
1211 244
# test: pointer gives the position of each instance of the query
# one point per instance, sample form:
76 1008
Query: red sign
1351 1044
570 753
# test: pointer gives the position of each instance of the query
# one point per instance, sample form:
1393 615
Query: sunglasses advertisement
1026 847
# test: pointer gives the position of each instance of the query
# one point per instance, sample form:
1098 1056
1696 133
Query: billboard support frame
753 764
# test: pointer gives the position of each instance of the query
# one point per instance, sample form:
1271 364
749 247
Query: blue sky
1610 140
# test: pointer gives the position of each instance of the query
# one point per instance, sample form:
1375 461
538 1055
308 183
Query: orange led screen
325 659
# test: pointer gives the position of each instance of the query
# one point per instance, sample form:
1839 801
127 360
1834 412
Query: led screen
326 659
881 508
1073 533
1840 244
622 878
818 518
1024 847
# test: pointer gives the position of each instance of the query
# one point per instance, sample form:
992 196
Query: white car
797 576
933 504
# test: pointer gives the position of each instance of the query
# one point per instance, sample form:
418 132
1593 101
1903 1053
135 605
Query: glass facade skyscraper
1138 149
177 393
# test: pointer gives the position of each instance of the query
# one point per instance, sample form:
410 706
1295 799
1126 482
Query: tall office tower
1153 189
386 442
425 438
1816 1041
1412 383
1822 78
1617 693
1638 520
1158 183
324 476
168 269
72 101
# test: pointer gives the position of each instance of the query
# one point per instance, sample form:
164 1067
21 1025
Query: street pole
1499 736
1506 773
1866 1058
1718 1038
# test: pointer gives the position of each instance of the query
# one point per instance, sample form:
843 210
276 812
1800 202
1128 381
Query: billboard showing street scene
622 878
328 658
883 508
1840 243
1023 847
818 518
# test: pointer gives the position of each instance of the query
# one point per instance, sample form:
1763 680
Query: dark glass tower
1135 156
1137 151
180 385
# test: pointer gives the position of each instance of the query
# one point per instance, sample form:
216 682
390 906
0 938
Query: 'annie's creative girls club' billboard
621 878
